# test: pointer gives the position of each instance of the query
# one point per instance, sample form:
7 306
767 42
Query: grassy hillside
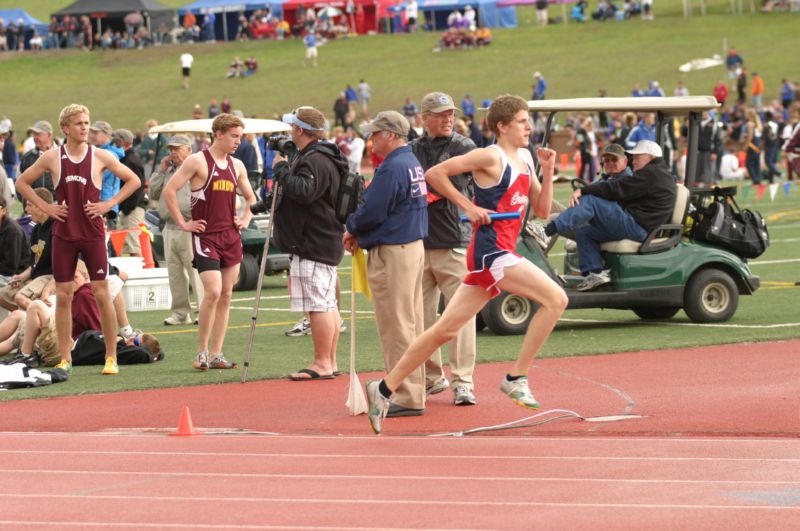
127 87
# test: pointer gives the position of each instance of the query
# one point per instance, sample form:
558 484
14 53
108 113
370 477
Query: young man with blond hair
214 176
504 182
79 224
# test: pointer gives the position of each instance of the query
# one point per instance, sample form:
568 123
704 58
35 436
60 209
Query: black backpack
351 184
90 349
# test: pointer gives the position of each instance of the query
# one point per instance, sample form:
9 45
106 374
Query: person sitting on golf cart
615 209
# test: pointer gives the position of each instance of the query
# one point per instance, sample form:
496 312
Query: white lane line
419 456
72 523
773 262
394 502
392 477
666 323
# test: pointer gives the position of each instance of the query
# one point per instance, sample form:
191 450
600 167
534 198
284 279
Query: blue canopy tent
226 13
14 15
488 14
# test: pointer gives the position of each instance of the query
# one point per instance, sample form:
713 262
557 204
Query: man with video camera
307 172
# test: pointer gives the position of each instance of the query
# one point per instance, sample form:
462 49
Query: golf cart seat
664 237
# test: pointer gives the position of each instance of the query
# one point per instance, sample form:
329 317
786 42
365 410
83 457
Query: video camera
283 145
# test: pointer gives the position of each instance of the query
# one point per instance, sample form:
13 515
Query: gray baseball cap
614 150
41 127
179 140
437 102
123 135
103 127
391 121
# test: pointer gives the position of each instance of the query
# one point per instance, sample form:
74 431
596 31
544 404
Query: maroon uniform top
85 314
76 188
216 201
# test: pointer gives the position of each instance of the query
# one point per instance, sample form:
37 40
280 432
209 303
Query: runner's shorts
65 257
493 272
216 250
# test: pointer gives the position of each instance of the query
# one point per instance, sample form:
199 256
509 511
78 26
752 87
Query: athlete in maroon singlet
214 177
78 223
499 170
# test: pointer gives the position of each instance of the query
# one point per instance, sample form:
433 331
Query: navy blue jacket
395 204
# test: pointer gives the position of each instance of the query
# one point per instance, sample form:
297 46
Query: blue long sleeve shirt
395 208
641 132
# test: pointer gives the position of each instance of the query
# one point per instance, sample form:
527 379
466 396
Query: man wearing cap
307 228
390 225
177 243
43 140
100 136
445 255
628 207
131 210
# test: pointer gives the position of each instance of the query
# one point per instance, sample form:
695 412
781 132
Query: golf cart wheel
711 296
508 314
655 313
248 273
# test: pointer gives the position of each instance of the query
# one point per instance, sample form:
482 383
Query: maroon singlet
75 188
216 201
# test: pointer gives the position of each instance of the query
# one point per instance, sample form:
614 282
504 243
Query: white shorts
312 286
114 286
311 53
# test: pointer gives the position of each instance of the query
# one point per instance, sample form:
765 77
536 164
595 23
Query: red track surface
635 473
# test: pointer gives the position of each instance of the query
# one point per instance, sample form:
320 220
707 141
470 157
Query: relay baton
496 215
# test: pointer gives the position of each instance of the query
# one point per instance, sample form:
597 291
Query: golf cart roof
251 125
680 106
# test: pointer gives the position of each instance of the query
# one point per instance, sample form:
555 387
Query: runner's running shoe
377 405
219 362
111 368
519 392
201 361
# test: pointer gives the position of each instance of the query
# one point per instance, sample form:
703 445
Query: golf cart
253 238
655 279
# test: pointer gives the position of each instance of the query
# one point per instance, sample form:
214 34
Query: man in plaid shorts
307 228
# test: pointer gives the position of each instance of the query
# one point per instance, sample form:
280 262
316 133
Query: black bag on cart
722 222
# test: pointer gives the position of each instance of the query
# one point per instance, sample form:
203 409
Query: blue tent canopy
488 14
226 13
13 15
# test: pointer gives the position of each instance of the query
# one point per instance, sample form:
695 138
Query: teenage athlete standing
503 183
214 177
79 227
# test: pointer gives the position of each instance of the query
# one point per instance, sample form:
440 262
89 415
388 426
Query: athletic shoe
595 280
301 328
219 362
201 361
519 392
536 230
377 405
437 387
463 396
174 320
64 364
111 368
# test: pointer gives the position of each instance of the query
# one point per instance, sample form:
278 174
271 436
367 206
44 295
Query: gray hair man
43 141
177 243
445 246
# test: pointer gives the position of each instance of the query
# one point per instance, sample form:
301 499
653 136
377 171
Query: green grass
770 314
127 87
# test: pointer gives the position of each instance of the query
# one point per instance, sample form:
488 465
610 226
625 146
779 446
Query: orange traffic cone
147 249
185 427
564 160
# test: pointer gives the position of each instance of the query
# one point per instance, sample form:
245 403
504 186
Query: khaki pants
395 278
178 252
443 273
132 221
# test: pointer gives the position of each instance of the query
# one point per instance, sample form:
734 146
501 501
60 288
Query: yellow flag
360 284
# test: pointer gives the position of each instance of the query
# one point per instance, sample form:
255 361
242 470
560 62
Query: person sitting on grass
504 182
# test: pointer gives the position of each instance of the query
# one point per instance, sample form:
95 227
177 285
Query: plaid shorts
312 286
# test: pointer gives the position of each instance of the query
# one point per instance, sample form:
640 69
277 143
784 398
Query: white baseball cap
646 147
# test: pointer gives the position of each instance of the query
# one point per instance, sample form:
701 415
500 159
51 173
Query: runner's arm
46 162
169 194
243 183
477 161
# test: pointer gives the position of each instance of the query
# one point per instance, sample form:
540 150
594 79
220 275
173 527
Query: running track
717 446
